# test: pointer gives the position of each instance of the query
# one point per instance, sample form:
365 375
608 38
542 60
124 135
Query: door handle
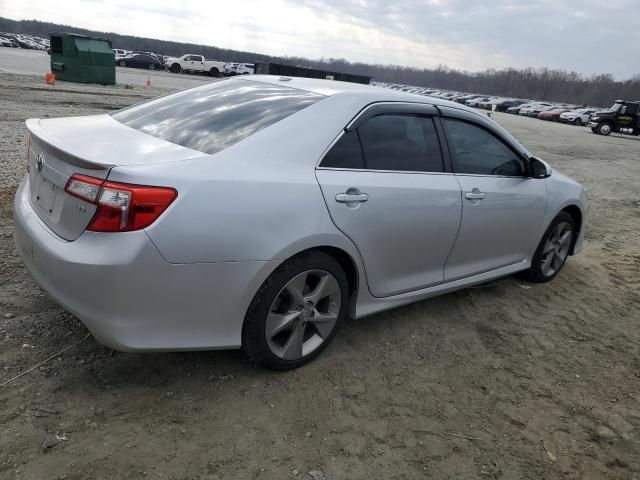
474 194
352 197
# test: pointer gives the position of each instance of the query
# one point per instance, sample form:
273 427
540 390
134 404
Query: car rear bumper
128 296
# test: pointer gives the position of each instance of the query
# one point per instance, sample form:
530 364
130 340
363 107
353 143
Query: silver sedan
258 213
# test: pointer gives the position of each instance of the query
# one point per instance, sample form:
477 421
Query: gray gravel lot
508 380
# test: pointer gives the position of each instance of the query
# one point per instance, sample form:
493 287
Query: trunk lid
91 146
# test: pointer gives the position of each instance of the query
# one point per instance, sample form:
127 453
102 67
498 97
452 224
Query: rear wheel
578 122
296 312
152 66
214 72
553 250
175 68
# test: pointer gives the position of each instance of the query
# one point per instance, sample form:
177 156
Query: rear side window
401 143
212 117
389 142
476 151
346 153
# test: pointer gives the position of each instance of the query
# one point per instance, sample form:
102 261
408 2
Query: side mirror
539 168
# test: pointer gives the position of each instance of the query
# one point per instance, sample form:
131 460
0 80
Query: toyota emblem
40 162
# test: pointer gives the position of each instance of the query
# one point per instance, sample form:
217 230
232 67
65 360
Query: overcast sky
588 36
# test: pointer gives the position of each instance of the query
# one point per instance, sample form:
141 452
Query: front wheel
123 63
553 250
578 122
152 66
604 129
175 68
295 313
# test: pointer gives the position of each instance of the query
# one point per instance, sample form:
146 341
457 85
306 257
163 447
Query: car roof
333 87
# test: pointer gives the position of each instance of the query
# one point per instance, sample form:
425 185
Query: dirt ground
508 380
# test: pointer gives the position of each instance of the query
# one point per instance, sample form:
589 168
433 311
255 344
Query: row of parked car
21 40
189 63
555 112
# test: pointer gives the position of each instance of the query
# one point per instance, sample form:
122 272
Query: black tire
535 272
604 128
578 122
123 63
175 68
152 66
214 72
593 129
254 341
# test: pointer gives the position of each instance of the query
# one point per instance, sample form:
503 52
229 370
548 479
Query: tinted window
476 151
402 143
214 116
346 153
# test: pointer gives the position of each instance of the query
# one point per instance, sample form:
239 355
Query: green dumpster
76 58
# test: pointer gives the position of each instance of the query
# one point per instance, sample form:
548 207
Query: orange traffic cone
148 82
50 78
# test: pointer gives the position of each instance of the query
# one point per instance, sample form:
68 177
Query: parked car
245 213
140 60
534 109
552 115
516 109
506 104
622 117
195 64
488 104
231 69
475 102
580 116
7 42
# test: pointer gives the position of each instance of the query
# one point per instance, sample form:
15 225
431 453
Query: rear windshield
214 116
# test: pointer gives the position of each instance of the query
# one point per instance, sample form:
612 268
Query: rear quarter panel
256 200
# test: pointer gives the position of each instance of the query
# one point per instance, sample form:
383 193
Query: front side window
476 151
214 116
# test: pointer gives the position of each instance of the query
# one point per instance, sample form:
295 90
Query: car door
388 189
138 61
502 206
198 63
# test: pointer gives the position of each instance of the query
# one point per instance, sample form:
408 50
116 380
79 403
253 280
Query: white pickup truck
195 63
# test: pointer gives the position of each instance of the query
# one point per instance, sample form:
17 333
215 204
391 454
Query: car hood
101 140
603 113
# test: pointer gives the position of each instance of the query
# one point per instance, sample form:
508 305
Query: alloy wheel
303 314
556 249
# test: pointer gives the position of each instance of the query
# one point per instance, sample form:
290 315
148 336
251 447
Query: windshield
212 117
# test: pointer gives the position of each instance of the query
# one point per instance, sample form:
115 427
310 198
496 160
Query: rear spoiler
36 131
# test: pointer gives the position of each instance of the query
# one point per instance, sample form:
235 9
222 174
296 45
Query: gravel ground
506 380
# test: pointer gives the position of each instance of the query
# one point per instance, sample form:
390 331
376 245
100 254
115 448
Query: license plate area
45 195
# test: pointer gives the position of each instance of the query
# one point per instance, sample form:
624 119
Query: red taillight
122 207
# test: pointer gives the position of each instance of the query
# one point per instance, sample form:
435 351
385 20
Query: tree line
528 83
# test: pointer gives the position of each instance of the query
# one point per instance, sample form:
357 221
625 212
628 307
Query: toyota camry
258 213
